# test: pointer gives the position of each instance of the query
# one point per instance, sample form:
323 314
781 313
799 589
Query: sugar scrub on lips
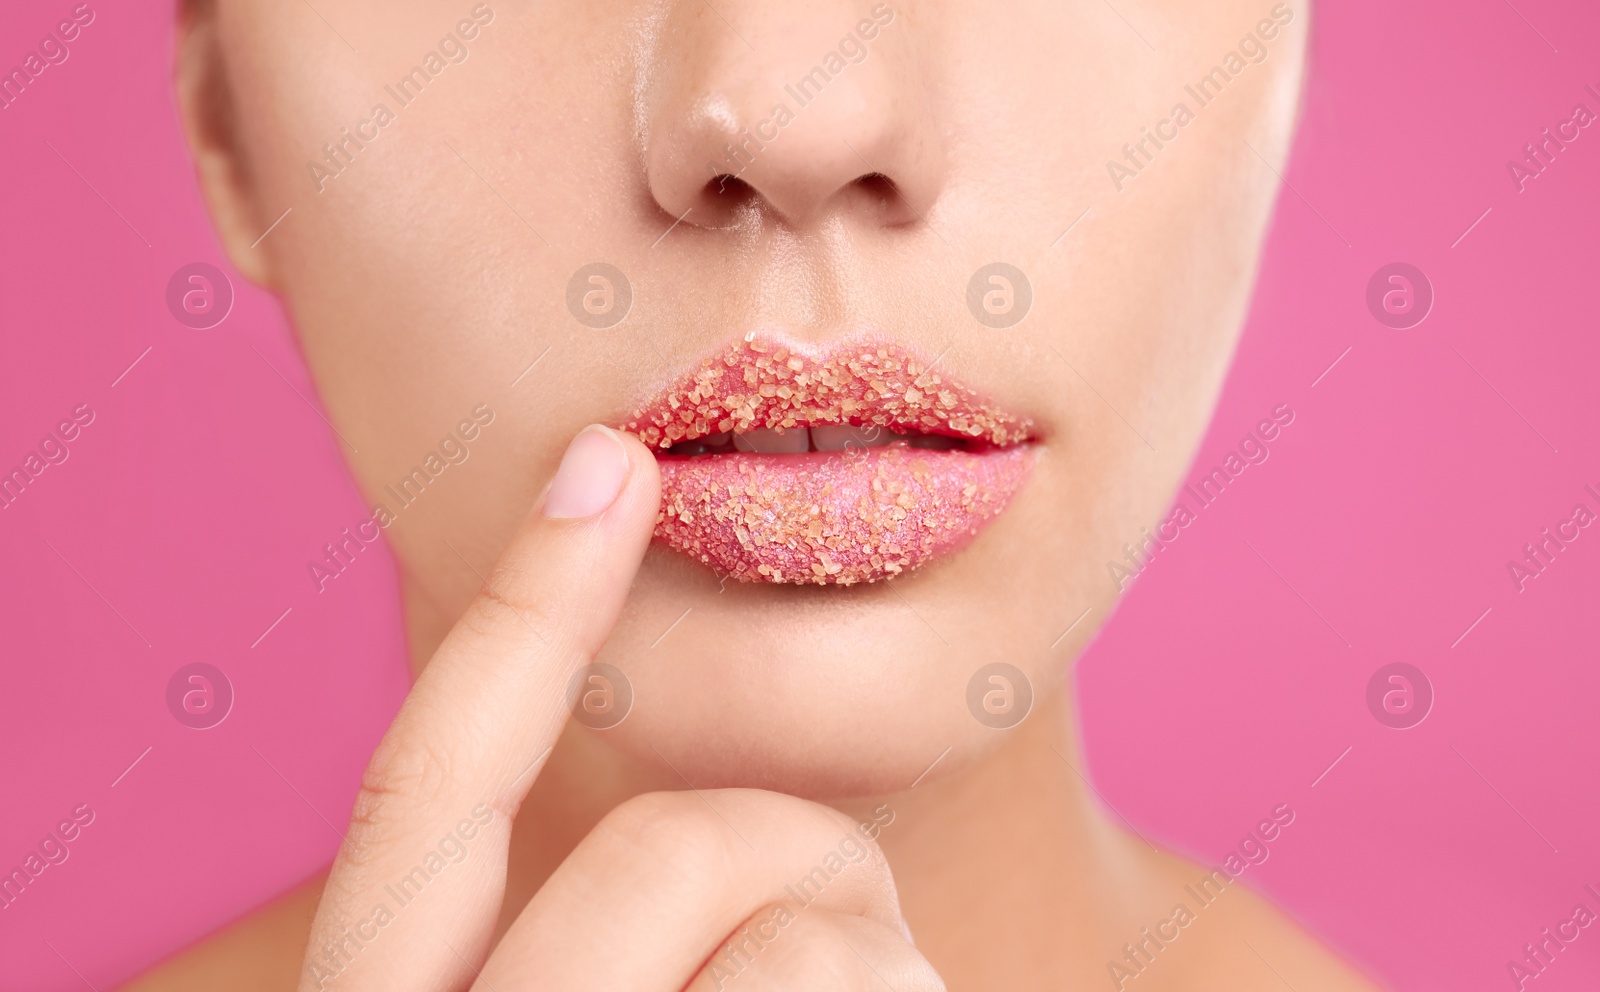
941 461
828 517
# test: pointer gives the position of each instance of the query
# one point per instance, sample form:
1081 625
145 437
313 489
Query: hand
670 891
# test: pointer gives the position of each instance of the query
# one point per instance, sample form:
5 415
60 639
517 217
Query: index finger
405 906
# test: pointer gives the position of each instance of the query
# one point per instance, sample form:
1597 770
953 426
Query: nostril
720 200
885 194
878 184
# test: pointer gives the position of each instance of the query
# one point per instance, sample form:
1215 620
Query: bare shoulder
1225 936
260 953
1221 930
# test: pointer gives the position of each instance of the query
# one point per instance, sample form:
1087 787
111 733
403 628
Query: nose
802 111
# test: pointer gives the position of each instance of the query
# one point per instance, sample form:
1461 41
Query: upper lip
762 381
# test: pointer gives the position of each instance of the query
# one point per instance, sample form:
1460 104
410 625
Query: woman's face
998 201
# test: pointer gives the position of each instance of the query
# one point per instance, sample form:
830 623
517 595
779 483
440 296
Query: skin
424 276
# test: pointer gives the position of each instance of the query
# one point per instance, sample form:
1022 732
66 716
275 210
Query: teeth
798 440
844 438
774 441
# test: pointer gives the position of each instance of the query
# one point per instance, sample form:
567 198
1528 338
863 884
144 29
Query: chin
829 692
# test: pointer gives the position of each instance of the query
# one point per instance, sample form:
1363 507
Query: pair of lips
851 463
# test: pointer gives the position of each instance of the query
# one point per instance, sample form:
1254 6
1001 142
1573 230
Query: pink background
178 529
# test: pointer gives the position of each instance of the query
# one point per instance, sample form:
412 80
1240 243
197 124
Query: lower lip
833 518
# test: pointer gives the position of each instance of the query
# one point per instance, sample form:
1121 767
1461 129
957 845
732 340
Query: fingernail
590 477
